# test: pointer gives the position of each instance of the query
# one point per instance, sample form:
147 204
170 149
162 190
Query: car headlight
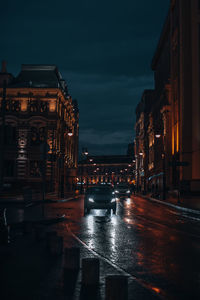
91 199
128 191
113 200
116 191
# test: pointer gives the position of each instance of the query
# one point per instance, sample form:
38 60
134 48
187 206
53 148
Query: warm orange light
155 289
172 141
177 136
52 106
24 105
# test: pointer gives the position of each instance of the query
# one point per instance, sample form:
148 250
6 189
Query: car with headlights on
122 190
99 197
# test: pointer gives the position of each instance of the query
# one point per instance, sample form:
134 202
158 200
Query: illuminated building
39 122
107 169
141 140
185 91
171 143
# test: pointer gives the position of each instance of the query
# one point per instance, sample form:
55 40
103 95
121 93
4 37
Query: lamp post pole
2 147
81 191
84 154
163 165
164 177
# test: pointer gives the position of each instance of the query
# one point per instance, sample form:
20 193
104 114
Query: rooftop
39 76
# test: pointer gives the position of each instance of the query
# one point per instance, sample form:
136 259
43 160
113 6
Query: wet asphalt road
155 245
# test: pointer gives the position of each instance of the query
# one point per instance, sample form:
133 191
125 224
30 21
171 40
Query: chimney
3 67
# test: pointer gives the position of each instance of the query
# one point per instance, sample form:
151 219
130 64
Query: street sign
177 163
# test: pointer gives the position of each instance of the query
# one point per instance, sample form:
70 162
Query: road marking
194 211
155 290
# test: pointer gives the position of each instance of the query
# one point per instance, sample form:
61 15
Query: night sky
103 50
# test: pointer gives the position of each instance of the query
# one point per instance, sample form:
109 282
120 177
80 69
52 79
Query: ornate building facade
170 140
185 90
143 153
39 129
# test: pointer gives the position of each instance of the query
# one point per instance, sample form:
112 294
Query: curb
183 208
41 221
21 202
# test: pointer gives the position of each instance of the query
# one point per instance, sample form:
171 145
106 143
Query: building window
35 168
37 135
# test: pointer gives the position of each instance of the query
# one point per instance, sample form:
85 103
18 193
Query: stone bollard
72 258
90 272
39 233
71 269
116 287
56 245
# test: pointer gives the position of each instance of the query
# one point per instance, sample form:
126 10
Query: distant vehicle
99 197
122 190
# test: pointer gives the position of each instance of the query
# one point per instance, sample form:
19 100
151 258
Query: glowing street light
84 154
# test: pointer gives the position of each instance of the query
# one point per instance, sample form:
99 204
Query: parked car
122 190
99 197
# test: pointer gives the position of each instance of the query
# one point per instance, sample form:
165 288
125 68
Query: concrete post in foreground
90 271
72 258
116 287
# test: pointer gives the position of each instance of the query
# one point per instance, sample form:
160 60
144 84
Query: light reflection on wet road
158 245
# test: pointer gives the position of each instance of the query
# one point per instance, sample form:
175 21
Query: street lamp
84 154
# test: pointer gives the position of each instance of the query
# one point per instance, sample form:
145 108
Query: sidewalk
191 203
36 198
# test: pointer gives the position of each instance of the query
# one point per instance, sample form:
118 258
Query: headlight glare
91 199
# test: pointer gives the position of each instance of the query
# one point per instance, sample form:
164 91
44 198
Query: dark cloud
102 48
